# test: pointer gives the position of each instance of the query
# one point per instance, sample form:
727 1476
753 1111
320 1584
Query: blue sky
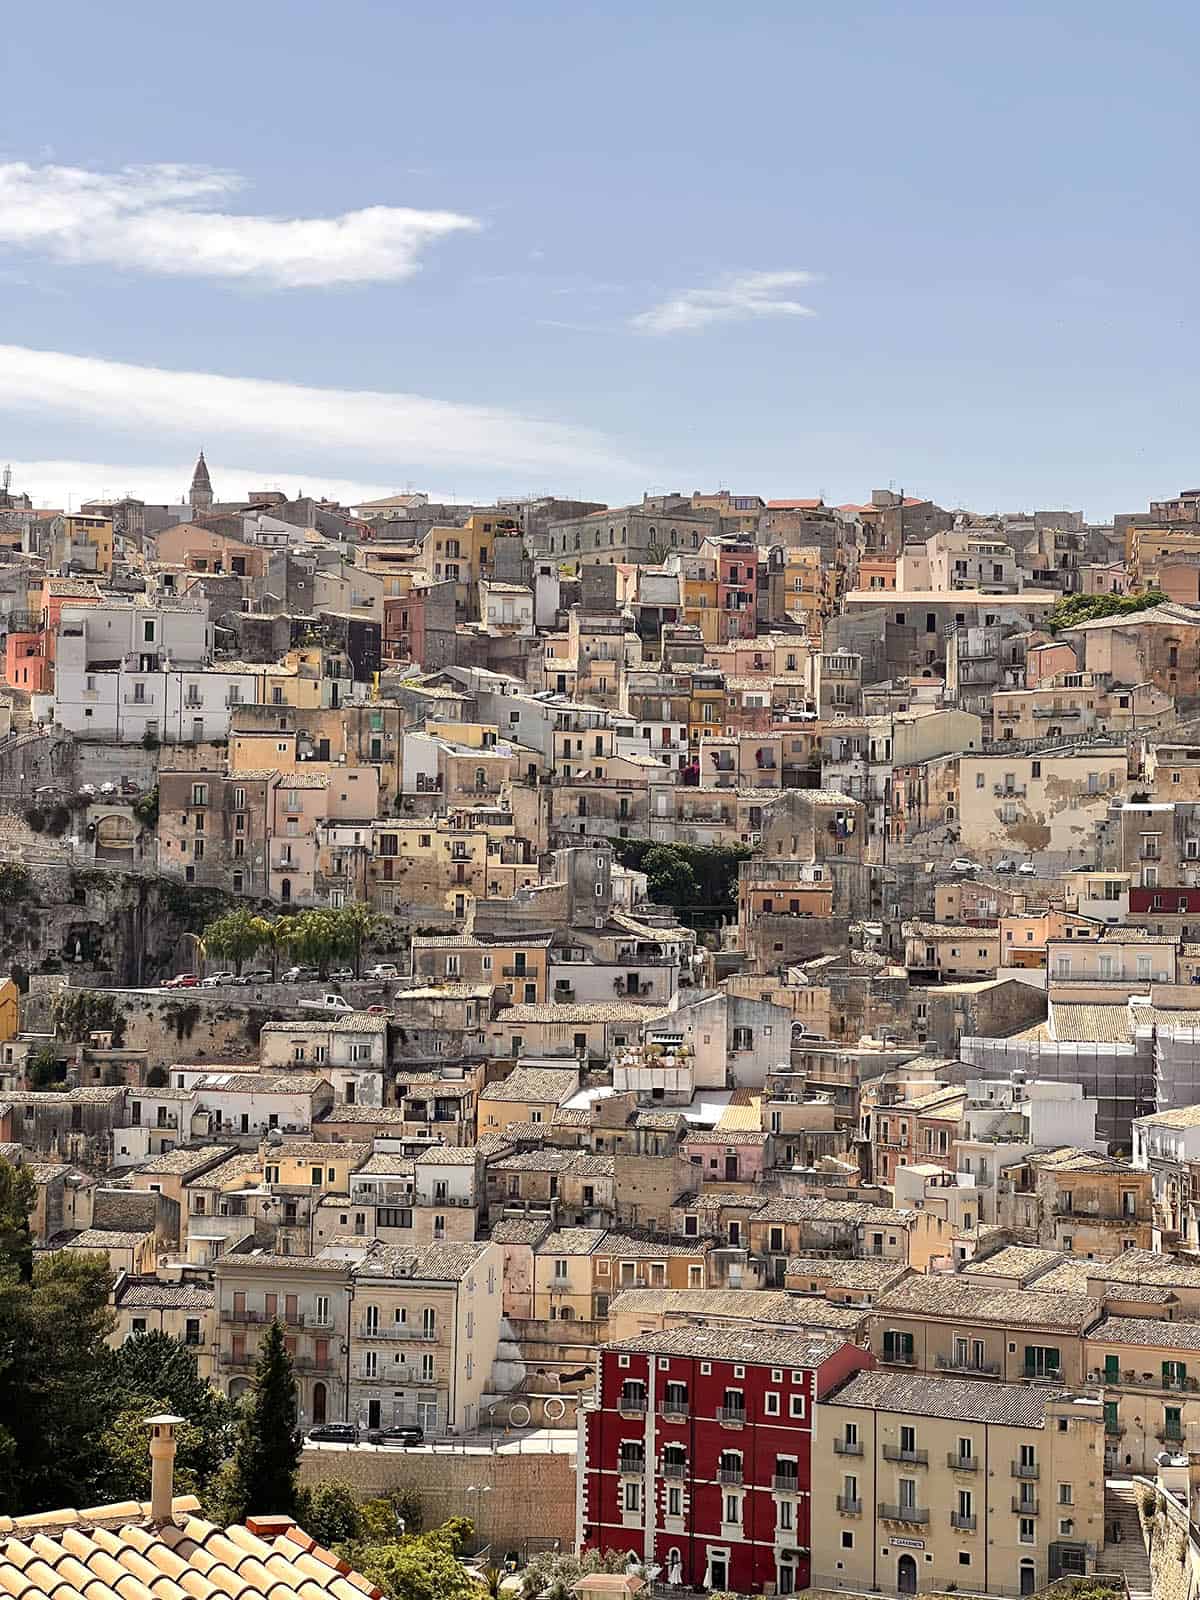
788 249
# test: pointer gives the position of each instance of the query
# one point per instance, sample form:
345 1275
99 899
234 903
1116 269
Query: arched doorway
1028 1577
906 1575
319 1402
238 1387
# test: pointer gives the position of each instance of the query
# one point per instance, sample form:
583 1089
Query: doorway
1028 1577
719 1572
374 1413
906 1575
319 1402
731 1169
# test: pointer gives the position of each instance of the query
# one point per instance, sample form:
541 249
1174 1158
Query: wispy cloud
59 482
734 299
165 219
390 431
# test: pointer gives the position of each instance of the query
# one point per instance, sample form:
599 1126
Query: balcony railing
632 1405
635 1465
890 1513
1025 1508
964 1520
393 1330
958 1463
673 1408
899 1358
1050 1374
849 1506
848 1447
984 1369
912 1458
1170 1435
732 1414
674 1469
786 1482
1025 1469
730 1475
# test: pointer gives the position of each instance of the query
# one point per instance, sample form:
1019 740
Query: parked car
1027 869
257 975
300 975
403 1433
383 969
334 1433
1006 864
961 864
219 978
181 980
342 975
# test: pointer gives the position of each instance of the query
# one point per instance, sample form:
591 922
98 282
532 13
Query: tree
55 1393
329 1512
356 924
1076 608
425 1567
266 1457
274 936
157 1373
670 877
44 1067
234 937
316 939
18 1195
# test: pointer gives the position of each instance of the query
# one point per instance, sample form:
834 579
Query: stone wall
529 1492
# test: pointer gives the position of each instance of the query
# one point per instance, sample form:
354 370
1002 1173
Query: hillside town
691 1034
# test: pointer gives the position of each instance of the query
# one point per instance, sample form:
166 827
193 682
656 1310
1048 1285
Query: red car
182 980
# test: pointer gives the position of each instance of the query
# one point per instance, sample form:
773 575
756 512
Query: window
633 1496
771 1403
796 1405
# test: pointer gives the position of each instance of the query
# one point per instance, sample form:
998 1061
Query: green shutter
1168 1372
1110 1416
1112 1369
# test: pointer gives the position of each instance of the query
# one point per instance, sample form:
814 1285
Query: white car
1027 869
217 979
383 969
961 864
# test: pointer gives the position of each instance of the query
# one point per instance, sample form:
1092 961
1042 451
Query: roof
436 1262
863 1275
1153 1331
1072 1023
756 1345
103 1239
1016 1405
1180 1117
348 1022
1014 1261
66 1553
724 1135
787 1208
184 1161
526 1084
152 1295
599 1011
571 1162
519 1230
959 1297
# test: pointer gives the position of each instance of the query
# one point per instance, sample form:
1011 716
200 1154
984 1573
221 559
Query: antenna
7 479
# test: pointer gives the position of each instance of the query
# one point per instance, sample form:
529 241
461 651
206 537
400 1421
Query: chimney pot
162 1465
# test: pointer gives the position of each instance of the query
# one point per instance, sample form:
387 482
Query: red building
737 587
697 1455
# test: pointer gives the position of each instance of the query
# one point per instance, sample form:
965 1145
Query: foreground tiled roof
1018 1405
960 1298
1153 1331
800 1349
113 1550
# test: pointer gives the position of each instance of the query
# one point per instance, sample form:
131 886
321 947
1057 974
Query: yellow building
805 588
925 1484
183 1310
464 555
707 706
700 608
78 534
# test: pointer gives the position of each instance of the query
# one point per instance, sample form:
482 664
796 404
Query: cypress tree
267 1454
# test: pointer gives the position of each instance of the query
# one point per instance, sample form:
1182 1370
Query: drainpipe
349 1327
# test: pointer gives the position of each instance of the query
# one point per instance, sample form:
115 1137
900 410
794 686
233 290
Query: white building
350 1053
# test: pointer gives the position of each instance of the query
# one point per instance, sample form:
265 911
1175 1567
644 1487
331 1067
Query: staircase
1128 1553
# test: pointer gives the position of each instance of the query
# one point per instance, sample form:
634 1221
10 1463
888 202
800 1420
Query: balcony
674 1408
981 1369
1027 1470
912 1458
632 1405
912 1514
732 1416
848 1506
1170 1435
1024 1508
730 1475
848 1447
1045 1374
674 1469
958 1463
786 1482
1004 791
395 1330
964 1520
898 1358
631 1466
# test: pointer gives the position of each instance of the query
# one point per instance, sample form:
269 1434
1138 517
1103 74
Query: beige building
949 1324
1150 1371
1051 801
184 1310
423 1334
924 1484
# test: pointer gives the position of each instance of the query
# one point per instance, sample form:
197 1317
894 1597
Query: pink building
728 1155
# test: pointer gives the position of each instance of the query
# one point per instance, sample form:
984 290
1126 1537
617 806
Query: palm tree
275 935
357 923
234 937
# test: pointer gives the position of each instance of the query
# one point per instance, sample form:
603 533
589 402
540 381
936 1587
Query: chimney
162 1466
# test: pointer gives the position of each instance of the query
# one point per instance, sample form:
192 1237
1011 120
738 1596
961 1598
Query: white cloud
162 219
60 483
399 433
735 299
